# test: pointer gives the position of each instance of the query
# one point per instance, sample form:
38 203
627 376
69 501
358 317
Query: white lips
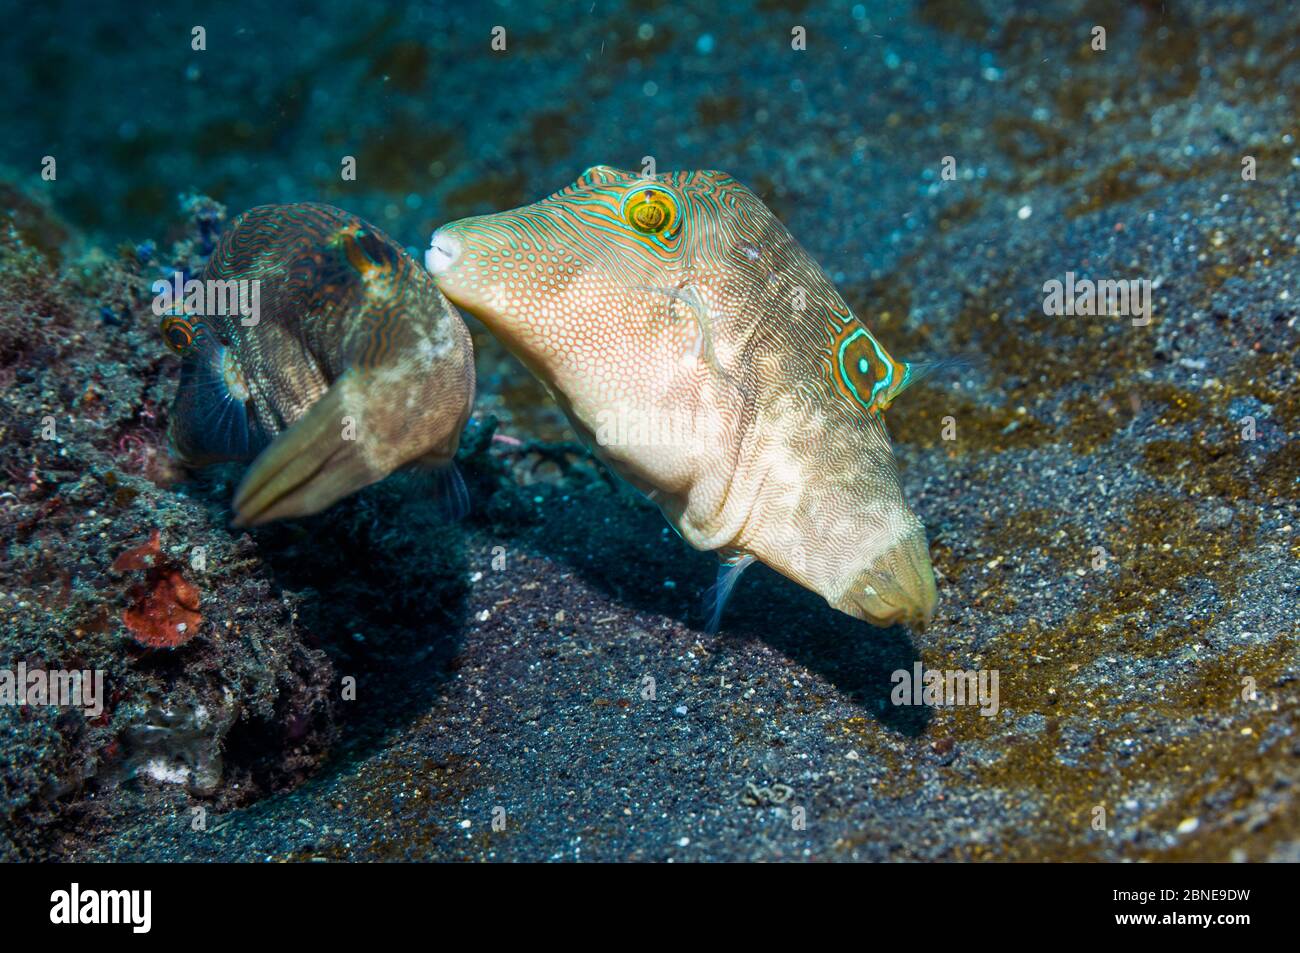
443 250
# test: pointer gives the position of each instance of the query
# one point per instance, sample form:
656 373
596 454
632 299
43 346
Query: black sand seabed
501 662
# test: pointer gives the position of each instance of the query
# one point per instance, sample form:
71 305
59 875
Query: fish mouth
443 252
899 587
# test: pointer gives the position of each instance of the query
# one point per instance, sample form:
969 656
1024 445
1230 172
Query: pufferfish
705 357
351 365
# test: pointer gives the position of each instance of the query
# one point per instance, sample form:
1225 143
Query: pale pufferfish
356 364
708 360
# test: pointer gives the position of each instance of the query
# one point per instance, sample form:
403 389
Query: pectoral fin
914 371
308 467
211 420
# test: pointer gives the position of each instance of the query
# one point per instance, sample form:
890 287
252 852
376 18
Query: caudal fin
308 467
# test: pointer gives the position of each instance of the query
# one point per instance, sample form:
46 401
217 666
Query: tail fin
310 466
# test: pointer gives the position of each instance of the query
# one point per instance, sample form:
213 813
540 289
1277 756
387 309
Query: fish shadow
859 659
377 583
620 547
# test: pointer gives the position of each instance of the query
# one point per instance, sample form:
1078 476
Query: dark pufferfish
355 366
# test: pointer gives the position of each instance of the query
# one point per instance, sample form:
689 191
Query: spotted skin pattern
357 364
705 356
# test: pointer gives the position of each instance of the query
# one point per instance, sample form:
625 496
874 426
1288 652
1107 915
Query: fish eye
178 334
651 211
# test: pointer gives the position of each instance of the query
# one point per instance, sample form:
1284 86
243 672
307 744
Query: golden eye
651 212
178 334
